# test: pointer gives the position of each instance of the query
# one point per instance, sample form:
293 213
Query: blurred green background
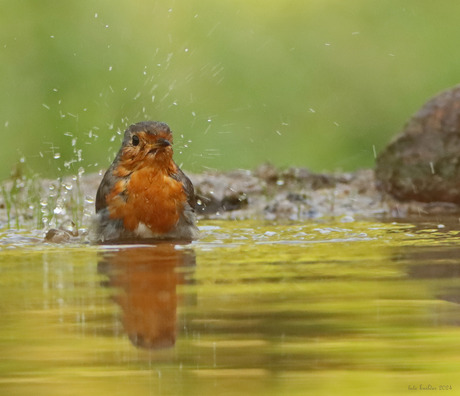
313 83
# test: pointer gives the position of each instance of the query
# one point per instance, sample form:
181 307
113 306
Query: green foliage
29 202
21 199
308 83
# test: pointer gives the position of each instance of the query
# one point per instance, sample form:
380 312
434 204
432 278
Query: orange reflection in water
146 278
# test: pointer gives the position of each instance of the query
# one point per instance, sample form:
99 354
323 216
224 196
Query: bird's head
146 144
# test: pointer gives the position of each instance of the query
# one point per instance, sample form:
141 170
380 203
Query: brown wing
104 189
188 187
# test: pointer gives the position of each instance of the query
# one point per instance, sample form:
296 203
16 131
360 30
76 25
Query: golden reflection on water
145 279
251 308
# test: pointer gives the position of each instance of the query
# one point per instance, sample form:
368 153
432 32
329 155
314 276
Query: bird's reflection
145 279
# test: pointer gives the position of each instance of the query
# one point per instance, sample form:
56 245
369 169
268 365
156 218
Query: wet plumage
144 194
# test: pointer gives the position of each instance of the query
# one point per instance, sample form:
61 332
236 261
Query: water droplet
59 210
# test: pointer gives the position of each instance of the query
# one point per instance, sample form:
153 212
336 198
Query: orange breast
152 198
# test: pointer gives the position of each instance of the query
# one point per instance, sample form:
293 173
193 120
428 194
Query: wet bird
144 194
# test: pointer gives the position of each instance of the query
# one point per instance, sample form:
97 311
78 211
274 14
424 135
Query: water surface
251 308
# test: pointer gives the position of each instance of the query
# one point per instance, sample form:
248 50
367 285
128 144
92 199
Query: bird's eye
135 140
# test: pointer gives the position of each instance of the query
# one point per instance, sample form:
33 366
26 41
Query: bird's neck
162 163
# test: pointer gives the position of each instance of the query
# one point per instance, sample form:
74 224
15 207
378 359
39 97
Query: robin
144 194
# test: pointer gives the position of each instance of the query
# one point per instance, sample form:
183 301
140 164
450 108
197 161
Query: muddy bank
266 193
298 194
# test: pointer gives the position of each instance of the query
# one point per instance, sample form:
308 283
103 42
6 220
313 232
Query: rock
423 162
223 192
57 236
267 172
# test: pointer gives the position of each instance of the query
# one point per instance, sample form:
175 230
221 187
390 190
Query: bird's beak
162 143
159 144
